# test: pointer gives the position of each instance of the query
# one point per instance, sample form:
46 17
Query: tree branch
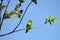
16 31
6 9
0 16
11 32
20 30
22 16
18 23
0 11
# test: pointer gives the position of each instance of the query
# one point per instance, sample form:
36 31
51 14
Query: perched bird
48 20
28 27
53 19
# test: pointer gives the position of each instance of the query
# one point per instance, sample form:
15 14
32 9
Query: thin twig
15 31
7 5
0 12
11 32
0 16
22 16
6 9
18 31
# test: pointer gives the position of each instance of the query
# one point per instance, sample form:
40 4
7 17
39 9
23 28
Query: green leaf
12 13
16 15
20 12
6 15
17 6
0 25
35 1
0 4
21 1
1 7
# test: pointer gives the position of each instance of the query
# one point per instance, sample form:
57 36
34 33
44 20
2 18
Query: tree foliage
17 13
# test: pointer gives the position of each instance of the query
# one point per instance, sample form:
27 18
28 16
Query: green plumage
28 27
50 19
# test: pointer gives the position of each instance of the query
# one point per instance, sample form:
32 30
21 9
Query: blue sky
37 13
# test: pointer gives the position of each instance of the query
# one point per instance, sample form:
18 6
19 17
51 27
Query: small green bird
50 19
28 27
